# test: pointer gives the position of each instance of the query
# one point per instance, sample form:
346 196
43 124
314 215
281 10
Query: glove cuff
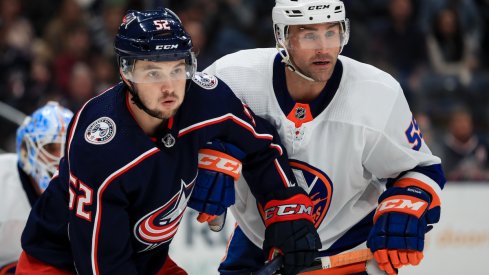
220 162
294 208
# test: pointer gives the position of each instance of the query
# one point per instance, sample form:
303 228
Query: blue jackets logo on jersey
100 131
317 184
161 225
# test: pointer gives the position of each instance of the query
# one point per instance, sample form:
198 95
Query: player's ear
123 77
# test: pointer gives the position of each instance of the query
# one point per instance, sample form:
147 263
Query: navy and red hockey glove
400 224
290 230
219 166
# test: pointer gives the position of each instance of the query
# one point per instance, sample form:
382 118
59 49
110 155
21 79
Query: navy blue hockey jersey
120 195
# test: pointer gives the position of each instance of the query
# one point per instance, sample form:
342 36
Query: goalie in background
26 174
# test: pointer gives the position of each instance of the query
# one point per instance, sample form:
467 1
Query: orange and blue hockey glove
219 166
400 224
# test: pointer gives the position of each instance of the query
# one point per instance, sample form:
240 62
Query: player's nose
166 86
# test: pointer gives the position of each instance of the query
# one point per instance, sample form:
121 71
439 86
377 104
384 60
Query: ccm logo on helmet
320 7
287 209
166 47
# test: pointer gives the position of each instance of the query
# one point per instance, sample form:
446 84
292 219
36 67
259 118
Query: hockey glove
400 223
290 231
214 188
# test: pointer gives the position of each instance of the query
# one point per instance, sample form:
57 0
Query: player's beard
163 114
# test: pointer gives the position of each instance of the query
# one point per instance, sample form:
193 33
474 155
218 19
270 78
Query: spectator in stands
467 9
81 86
398 34
104 26
452 52
76 48
70 14
465 153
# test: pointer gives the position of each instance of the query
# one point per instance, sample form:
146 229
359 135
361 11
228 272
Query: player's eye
178 72
153 74
331 34
310 36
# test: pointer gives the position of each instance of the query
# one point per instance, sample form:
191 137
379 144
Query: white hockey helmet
304 12
47 126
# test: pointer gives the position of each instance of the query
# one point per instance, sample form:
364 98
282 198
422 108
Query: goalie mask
40 142
307 12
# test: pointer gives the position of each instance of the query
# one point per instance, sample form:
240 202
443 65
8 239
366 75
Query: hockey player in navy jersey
26 174
131 162
353 143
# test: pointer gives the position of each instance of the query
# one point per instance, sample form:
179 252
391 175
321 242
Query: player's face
161 87
314 48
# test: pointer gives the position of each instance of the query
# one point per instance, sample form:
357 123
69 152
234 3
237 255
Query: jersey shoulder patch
101 131
205 81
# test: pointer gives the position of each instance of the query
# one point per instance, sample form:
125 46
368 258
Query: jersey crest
317 185
100 131
159 226
205 81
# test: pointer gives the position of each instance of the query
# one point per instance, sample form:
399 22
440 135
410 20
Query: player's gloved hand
219 166
290 230
400 223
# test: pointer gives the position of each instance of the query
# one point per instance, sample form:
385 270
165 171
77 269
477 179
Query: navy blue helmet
155 35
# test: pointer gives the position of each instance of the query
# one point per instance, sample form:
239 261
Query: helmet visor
158 68
317 36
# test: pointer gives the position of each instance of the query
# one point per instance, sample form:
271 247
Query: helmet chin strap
137 100
290 66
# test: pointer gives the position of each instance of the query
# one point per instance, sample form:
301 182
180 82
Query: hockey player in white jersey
26 174
352 140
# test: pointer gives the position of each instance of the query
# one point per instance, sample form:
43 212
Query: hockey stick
271 267
327 262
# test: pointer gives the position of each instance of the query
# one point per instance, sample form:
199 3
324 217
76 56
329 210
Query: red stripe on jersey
100 192
284 178
223 118
277 147
226 117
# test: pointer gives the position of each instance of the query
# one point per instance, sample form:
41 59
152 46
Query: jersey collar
295 109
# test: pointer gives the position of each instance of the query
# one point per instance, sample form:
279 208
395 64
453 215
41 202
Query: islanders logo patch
100 131
317 184
205 81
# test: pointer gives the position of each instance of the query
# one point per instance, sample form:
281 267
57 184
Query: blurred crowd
438 50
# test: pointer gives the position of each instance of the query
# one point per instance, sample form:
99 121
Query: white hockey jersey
343 156
14 210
